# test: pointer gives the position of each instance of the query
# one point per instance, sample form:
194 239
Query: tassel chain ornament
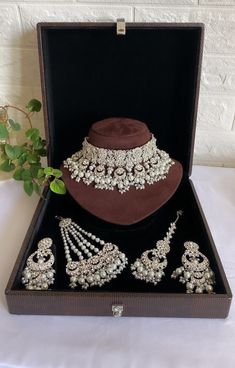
95 266
149 267
195 271
39 274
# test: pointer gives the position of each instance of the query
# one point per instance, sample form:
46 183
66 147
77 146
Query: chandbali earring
195 271
39 274
94 266
149 267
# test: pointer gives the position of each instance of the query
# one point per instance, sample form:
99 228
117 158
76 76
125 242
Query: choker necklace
119 169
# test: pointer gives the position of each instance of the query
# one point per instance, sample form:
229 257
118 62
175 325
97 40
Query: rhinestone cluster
120 169
195 271
39 274
152 262
95 266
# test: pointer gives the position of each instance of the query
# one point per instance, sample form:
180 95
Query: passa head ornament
120 174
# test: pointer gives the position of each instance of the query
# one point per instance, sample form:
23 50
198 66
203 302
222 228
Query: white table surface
100 342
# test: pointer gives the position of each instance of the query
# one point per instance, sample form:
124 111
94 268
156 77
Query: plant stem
27 115
5 122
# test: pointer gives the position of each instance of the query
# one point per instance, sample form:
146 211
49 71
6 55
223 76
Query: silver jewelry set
119 169
98 262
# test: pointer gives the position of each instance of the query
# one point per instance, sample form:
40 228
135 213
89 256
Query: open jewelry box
152 74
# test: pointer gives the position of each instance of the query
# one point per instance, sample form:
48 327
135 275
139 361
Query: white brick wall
19 70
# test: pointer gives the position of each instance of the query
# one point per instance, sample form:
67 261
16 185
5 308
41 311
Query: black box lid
151 73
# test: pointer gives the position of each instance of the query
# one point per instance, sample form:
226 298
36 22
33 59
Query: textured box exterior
100 303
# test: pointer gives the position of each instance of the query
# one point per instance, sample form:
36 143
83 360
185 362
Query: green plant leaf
32 134
18 174
4 156
10 152
57 173
26 175
33 158
22 159
37 144
7 166
34 170
57 186
3 131
28 187
48 171
13 152
34 105
42 152
40 146
36 188
41 173
15 126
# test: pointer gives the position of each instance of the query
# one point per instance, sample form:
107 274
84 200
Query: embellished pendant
95 266
39 274
195 271
150 266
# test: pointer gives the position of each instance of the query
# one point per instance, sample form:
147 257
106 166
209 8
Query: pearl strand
73 247
80 244
89 235
86 247
66 247
83 241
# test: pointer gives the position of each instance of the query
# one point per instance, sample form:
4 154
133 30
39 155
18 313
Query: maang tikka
149 267
95 266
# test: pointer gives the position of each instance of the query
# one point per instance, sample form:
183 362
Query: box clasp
121 26
117 310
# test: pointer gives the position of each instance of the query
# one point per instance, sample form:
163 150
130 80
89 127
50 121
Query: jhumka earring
94 266
149 267
39 274
195 271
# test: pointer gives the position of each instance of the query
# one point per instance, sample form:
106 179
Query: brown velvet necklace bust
133 205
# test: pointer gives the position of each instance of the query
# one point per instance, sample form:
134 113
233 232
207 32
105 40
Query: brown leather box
152 74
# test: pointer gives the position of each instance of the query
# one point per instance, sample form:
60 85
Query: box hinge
121 27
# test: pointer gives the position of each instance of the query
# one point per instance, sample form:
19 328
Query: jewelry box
145 71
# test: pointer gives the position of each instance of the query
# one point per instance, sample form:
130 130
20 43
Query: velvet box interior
152 74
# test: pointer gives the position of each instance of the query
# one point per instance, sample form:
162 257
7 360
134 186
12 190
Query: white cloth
100 342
